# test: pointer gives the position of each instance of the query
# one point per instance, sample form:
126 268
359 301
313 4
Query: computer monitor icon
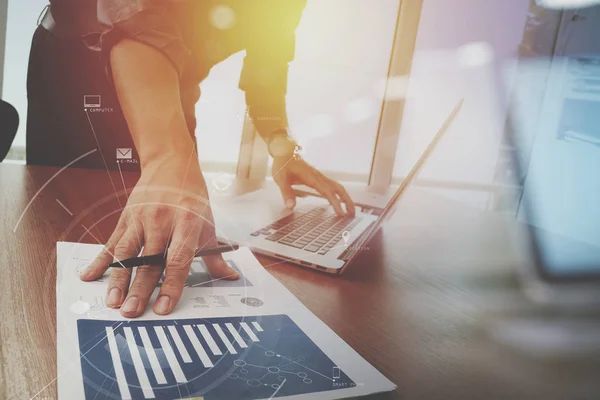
92 101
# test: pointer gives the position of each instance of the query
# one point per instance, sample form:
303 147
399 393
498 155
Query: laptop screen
412 174
556 135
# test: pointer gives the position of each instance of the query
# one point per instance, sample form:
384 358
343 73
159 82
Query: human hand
168 210
290 171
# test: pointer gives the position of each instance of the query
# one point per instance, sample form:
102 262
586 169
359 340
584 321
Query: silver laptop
312 235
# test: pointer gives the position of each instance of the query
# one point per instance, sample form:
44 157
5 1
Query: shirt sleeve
271 47
152 22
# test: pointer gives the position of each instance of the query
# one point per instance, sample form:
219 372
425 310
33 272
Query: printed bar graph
249 332
245 358
209 340
159 375
138 364
257 326
198 347
236 336
169 354
224 338
179 344
117 366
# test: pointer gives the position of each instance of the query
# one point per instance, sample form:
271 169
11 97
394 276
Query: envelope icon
124 154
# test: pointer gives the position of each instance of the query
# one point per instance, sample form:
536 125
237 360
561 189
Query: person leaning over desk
156 54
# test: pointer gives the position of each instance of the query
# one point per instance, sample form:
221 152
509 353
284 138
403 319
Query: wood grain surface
419 304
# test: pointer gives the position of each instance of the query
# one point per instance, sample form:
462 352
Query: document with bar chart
247 339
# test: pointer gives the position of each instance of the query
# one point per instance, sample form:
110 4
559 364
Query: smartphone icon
336 372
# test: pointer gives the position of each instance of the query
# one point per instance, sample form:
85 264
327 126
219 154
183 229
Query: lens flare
222 17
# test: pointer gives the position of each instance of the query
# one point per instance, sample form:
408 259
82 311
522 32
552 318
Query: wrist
281 144
169 158
171 153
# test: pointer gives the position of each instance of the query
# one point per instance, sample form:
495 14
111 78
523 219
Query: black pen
160 259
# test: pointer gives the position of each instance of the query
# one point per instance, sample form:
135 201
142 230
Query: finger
326 190
285 186
146 277
179 258
128 246
217 267
100 264
343 194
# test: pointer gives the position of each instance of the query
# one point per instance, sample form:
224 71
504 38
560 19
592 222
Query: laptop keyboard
317 230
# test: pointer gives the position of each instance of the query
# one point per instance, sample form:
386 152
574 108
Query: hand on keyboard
289 171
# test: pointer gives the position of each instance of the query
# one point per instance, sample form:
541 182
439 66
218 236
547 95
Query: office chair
9 123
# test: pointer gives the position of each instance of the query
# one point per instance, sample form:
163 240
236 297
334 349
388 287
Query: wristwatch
281 144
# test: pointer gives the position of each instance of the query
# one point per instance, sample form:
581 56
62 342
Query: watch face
281 146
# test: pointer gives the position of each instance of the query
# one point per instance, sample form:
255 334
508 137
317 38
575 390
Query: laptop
92 101
311 235
556 158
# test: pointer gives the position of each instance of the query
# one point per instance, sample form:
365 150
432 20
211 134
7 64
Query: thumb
217 267
289 197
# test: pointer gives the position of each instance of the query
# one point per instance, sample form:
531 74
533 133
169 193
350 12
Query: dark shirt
77 16
186 33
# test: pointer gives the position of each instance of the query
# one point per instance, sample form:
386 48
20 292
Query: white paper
244 339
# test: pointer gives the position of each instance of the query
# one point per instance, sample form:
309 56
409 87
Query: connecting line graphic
180 194
111 385
189 395
47 183
102 155
278 389
137 233
338 247
187 237
305 367
99 242
108 376
284 165
64 207
74 362
276 371
272 370
293 362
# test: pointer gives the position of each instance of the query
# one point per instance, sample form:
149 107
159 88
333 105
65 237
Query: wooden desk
416 305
